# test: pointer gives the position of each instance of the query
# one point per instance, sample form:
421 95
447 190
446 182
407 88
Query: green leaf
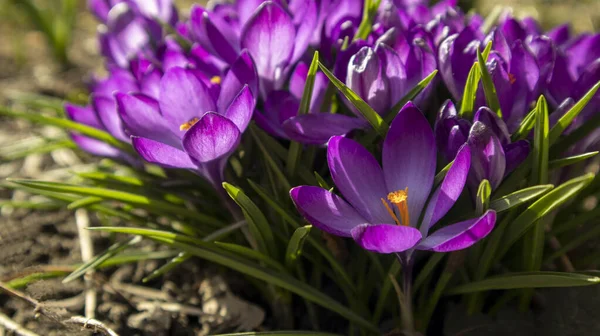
519 197
129 198
525 126
69 125
167 267
105 177
100 258
541 143
467 104
246 252
410 96
366 24
214 254
257 222
283 181
570 160
295 150
294 248
489 88
439 177
527 280
483 197
568 118
322 183
565 142
546 204
380 126
84 202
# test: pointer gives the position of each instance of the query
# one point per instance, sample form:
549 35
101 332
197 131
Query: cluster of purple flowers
183 89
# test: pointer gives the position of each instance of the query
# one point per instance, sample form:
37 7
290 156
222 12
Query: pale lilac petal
317 128
409 158
305 19
395 71
460 235
214 33
326 210
83 115
359 178
365 77
242 72
95 147
183 97
106 110
386 238
246 8
162 154
494 122
241 109
212 137
269 36
141 117
448 192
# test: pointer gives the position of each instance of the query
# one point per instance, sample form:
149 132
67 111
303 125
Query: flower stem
406 315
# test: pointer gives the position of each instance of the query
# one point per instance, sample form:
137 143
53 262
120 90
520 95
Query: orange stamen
390 211
511 78
399 198
215 80
187 125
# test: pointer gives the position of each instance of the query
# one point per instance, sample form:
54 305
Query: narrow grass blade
549 202
102 257
414 92
248 253
257 222
519 197
570 160
69 125
483 197
527 280
84 202
568 118
525 127
380 126
489 88
366 24
294 248
467 104
210 252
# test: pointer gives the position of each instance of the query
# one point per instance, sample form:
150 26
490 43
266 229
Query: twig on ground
87 253
13 326
91 324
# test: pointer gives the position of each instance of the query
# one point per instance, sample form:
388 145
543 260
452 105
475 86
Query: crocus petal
305 19
269 36
366 78
141 117
106 110
214 33
488 160
460 235
515 154
183 97
386 238
83 115
211 138
298 81
161 154
95 147
359 178
326 210
241 109
160 9
395 72
242 72
494 122
128 31
317 128
448 192
560 34
409 158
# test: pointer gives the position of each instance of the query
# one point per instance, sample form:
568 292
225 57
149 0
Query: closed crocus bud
100 8
456 56
366 78
488 160
494 122
451 132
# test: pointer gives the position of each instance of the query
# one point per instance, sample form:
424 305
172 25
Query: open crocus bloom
382 208
188 126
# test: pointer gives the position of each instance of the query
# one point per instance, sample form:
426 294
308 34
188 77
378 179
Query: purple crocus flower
493 155
190 126
381 208
163 10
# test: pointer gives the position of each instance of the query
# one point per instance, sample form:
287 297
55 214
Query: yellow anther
390 211
399 199
187 125
215 80
511 78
